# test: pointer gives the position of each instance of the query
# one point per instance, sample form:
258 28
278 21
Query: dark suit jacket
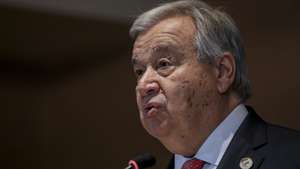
269 146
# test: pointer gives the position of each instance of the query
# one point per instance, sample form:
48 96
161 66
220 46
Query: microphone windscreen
144 160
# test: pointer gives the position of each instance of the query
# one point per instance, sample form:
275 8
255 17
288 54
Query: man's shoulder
277 137
279 133
269 145
275 133
283 139
282 148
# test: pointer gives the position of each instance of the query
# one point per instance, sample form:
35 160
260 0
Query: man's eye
138 72
164 63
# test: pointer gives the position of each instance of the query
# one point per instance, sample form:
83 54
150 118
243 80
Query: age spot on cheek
200 83
204 104
185 84
189 99
203 80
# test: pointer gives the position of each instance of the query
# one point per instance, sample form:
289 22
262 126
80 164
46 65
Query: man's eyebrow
158 51
160 48
165 49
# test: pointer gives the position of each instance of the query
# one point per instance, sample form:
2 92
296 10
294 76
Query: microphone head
142 161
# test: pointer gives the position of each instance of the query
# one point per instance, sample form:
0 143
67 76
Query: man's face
173 89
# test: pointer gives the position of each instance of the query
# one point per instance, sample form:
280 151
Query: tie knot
193 164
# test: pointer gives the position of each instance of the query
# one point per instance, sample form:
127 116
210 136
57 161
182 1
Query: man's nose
149 89
148 85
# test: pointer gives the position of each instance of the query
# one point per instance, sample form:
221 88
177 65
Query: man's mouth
150 109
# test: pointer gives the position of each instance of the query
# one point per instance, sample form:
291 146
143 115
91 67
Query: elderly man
191 85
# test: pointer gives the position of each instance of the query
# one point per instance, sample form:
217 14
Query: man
191 85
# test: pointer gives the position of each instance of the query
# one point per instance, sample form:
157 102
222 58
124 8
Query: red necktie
193 164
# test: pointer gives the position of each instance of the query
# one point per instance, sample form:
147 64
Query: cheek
192 93
180 96
187 92
138 101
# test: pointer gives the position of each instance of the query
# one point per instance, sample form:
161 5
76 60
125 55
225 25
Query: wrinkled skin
177 96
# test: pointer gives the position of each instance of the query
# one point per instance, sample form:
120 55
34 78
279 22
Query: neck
187 144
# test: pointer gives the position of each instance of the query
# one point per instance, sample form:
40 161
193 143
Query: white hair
216 34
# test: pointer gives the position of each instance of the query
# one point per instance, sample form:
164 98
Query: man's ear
225 72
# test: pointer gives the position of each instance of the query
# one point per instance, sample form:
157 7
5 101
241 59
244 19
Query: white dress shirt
214 147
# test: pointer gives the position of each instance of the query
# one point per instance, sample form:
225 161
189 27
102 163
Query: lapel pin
246 163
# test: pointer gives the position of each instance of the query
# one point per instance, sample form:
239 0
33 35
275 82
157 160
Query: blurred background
67 96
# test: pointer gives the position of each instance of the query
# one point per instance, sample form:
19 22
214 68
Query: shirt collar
214 147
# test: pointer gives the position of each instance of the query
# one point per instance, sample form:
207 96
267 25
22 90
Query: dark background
67 96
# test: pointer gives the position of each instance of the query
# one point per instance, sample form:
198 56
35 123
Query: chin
156 128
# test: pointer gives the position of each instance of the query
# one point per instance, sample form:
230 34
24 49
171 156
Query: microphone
141 162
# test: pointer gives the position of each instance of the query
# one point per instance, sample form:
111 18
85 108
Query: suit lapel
247 143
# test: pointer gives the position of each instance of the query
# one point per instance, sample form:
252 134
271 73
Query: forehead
173 31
